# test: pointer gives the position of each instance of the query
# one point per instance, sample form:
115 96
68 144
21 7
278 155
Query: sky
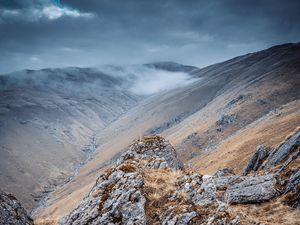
59 33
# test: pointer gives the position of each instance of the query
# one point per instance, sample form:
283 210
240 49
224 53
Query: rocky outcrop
262 152
284 150
117 196
252 190
283 165
12 212
149 185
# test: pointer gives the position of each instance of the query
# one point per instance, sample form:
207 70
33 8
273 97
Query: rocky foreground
149 185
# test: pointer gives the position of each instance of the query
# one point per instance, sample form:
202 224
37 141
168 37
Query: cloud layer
41 10
87 33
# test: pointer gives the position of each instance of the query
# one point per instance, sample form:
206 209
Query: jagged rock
284 150
262 152
117 196
252 190
293 182
12 212
291 159
293 190
224 172
153 146
147 185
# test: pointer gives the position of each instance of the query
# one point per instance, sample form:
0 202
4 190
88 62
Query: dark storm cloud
44 33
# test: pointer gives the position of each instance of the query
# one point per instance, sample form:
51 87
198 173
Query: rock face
149 185
284 150
257 159
11 211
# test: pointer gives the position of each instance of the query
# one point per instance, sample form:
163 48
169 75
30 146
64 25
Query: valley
61 133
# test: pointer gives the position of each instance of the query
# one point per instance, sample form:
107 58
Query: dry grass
234 152
273 212
128 168
159 186
45 222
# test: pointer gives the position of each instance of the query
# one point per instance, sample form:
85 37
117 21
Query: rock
117 196
262 152
236 100
224 172
292 190
116 199
153 146
12 212
291 159
185 218
284 150
252 190
226 120
293 182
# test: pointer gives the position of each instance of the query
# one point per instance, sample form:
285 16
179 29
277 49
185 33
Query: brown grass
128 168
273 212
45 222
159 187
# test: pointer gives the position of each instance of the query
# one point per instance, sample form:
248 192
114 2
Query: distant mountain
172 66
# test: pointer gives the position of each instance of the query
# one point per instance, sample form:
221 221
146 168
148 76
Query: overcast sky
47 33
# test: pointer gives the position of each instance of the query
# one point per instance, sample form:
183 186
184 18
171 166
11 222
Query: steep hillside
216 121
48 120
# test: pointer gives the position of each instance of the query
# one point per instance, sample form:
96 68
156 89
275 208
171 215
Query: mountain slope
51 119
48 120
215 122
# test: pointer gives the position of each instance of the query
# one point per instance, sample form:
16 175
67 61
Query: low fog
145 80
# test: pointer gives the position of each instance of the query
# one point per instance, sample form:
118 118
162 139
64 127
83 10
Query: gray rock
293 157
224 172
186 218
12 212
262 152
252 190
226 120
293 182
284 150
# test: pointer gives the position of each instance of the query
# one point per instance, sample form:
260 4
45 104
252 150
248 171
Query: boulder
252 190
12 212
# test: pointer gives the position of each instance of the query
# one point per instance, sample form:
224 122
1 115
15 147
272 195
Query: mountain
215 118
217 121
